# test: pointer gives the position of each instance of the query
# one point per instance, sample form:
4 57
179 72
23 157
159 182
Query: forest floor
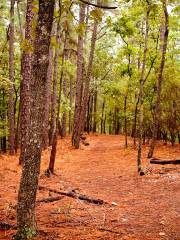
137 207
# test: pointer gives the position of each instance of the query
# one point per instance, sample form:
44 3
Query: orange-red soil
144 208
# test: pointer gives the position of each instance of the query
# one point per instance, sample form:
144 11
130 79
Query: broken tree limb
50 199
74 194
109 230
163 162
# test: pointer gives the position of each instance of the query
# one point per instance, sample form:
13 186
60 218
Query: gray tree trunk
48 100
26 70
26 223
55 78
79 80
88 78
157 113
141 93
11 78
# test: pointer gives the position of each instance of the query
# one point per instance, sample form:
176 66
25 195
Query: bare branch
97 5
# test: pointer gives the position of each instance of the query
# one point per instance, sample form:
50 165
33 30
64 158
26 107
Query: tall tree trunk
47 100
91 114
102 116
55 114
61 82
79 80
70 105
88 115
4 119
141 93
125 120
26 223
157 112
55 77
16 140
88 79
95 113
11 78
64 117
27 58
135 121
104 125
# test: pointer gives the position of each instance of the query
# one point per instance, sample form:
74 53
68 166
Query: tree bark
4 119
70 102
125 119
11 78
55 114
95 113
16 140
50 169
55 77
88 114
26 223
141 93
79 80
88 79
64 117
102 116
61 82
135 121
157 112
27 57
47 100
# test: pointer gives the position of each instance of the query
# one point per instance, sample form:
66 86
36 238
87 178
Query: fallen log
109 230
50 199
74 194
163 162
6 226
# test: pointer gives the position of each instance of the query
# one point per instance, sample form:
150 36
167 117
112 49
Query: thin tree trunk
104 125
11 78
95 113
27 58
55 78
16 141
79 80
88 79
91 114
4 116
47 100
88 116
135 121
102 116
55 118
125 120
64 117
26 222
61 82
141 93
70 111
157 113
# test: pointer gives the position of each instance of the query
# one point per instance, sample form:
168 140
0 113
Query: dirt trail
144 208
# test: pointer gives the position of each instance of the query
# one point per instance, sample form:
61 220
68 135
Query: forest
89 119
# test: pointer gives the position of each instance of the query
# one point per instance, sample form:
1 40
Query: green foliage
117 60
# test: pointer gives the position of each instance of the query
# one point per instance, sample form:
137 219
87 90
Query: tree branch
98 6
